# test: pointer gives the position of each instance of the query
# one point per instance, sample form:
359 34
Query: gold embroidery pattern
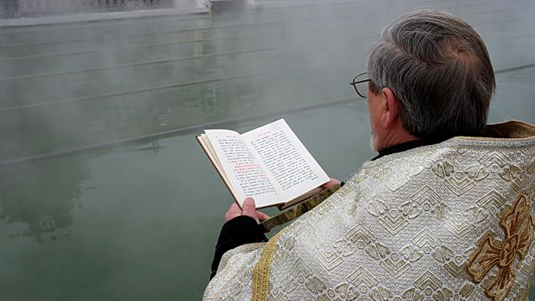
428 286
261 270
518 226
393 218
459 180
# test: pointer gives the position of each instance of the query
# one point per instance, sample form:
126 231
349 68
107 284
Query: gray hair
439 69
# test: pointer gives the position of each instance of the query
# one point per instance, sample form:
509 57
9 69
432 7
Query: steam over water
86 216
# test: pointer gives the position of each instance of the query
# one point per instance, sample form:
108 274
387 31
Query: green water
139 221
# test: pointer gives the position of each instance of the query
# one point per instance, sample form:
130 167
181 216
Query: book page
290 166
212 155
243 170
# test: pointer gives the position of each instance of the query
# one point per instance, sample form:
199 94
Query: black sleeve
236 232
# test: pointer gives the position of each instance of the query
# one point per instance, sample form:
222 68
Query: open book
269 164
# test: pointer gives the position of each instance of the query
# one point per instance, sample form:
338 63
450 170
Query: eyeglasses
360 83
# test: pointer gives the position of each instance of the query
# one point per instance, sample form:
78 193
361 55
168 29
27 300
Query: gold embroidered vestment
450 221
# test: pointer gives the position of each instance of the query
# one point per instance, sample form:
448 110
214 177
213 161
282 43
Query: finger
262 216
234 206
331 183
233 212
249 208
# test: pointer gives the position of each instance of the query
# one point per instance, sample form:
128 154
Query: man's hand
249 209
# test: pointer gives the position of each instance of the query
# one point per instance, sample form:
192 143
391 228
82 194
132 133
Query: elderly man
444 212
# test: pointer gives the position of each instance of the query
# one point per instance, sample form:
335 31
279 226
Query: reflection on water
41 195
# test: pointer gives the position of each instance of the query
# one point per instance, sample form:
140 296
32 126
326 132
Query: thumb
331 182
249 208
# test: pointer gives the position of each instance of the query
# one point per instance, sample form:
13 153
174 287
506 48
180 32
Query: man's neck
397 137
400 148
407 145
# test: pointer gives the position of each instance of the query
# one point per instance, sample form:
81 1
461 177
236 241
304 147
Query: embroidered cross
518 225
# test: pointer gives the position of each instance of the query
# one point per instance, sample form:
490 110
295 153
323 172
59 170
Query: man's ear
390 110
